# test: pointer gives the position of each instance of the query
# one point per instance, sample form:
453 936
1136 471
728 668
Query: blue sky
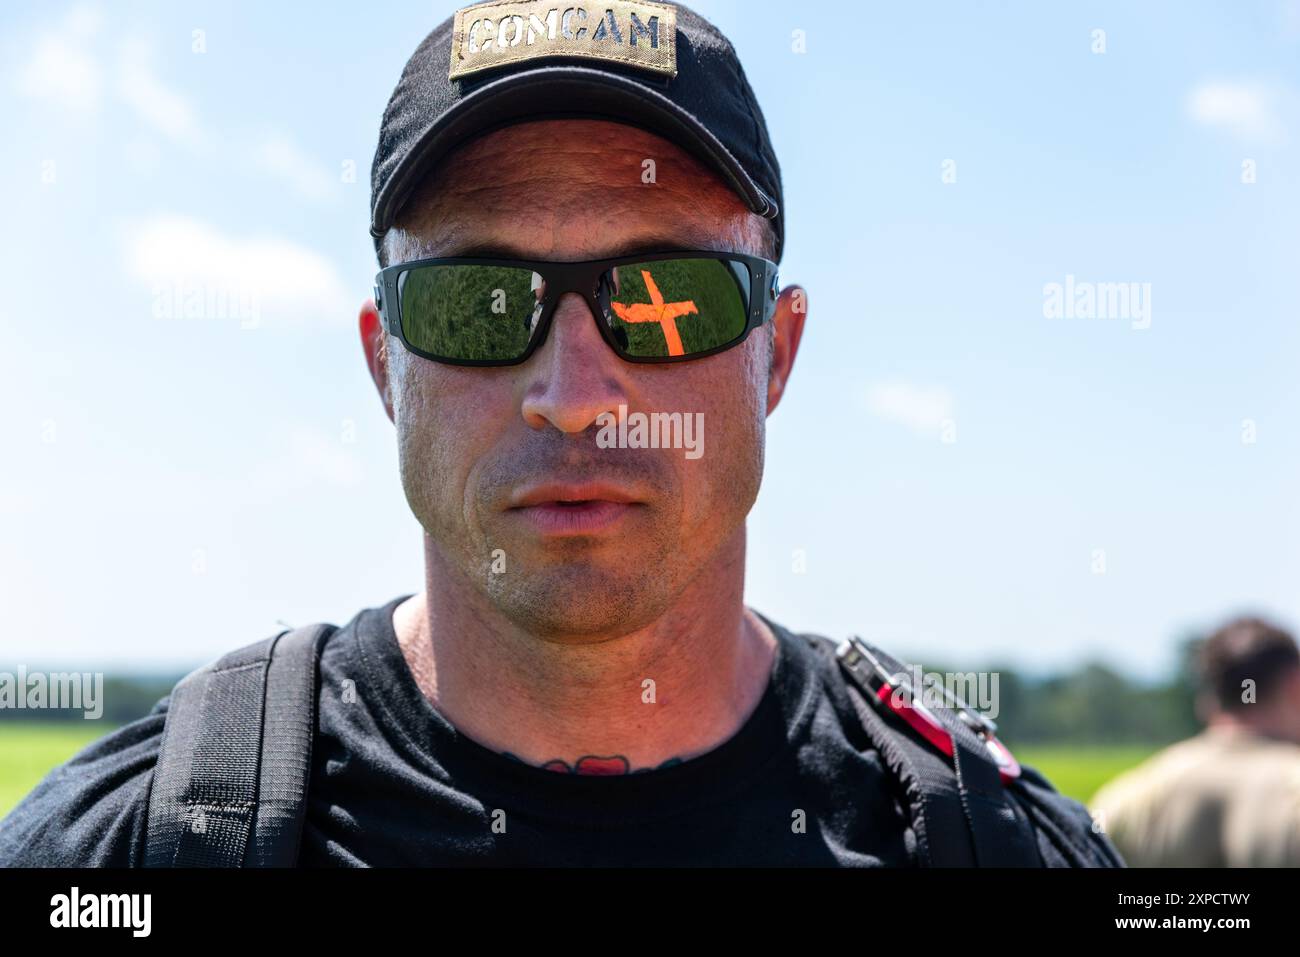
963 476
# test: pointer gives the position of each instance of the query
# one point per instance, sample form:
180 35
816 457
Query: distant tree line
125 698
1094 704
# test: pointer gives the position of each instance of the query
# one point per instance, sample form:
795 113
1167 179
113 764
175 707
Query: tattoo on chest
595 764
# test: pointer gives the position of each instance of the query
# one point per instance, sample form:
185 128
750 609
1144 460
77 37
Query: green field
28 751
1079 771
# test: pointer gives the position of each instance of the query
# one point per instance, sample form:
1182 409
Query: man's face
489 456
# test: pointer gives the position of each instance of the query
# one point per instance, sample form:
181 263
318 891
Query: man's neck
671 690
1265 726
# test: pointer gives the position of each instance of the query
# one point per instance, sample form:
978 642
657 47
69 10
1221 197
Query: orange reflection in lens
656 310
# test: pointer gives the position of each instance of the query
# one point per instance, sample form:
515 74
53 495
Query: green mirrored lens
469 312
675 307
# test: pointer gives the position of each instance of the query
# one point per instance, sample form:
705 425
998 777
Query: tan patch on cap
638 33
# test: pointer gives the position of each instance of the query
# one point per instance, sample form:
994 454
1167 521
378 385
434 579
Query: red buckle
896 694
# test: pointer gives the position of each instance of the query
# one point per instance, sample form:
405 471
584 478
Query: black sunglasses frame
585 279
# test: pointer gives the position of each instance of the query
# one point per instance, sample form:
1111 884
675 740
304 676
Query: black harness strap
960 812
942 839
236 757
286 749
1002 837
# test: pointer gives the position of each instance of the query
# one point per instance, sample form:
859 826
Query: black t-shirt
394 783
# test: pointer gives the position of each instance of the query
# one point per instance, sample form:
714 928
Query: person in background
1230 796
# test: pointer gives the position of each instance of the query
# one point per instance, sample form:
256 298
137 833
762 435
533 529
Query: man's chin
578 603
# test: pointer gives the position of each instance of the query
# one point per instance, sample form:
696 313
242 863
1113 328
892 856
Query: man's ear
375 345
787 330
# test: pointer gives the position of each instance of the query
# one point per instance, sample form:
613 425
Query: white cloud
158 105
64 68
923 409
1245 109
282 279
61 67
279 156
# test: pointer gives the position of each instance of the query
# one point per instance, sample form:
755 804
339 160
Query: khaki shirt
1225 798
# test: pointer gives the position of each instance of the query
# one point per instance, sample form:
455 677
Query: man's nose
575 375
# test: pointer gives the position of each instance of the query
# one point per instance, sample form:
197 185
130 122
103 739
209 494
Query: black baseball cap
659 66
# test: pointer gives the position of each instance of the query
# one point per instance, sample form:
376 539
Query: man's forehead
486 238
536 159
594 188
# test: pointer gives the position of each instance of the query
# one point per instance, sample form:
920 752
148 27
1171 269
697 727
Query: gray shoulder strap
230 785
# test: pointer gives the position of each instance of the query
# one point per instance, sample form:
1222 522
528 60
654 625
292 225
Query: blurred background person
1230 796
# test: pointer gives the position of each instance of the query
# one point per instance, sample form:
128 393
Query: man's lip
554 492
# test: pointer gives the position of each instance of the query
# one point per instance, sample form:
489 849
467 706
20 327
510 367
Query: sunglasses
650 307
